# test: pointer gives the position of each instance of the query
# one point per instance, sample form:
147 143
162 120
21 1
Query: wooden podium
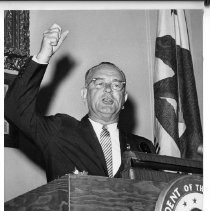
91 193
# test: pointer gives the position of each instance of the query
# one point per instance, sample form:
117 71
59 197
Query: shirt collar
98 126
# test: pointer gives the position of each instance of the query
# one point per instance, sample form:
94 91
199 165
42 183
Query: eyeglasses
100 83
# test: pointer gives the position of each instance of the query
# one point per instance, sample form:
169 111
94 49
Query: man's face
104 103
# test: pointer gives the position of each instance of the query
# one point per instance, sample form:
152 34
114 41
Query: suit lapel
92 140
123 141
123 147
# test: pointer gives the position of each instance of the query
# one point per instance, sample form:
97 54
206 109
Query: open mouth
107 100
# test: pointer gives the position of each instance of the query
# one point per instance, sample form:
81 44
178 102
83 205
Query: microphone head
144 147
200 149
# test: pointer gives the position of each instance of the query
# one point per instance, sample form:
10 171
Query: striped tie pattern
106 144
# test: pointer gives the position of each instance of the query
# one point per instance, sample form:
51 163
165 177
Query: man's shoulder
66 120
136 137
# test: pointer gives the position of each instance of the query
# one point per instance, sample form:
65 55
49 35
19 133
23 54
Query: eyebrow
104 79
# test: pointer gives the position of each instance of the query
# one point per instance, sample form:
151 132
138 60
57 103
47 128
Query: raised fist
52 39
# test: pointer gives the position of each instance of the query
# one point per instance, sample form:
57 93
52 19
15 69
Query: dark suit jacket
66 143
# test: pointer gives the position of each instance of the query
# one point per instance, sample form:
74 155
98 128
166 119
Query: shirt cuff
37 61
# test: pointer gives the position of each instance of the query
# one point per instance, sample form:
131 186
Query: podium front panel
90 193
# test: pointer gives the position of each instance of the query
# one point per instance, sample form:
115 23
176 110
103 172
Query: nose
107 87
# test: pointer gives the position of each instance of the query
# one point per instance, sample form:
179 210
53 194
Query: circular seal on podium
182 194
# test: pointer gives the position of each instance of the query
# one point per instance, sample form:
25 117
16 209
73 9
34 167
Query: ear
84 93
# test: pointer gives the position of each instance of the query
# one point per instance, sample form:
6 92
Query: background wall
95 36
125 38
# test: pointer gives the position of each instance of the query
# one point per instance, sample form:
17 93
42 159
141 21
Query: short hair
103 64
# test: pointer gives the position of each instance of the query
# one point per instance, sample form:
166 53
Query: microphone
145 147
200 149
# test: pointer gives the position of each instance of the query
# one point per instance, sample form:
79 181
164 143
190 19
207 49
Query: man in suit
68 144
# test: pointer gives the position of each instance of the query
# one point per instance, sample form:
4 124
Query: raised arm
20 100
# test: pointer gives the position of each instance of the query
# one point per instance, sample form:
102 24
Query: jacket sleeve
20 105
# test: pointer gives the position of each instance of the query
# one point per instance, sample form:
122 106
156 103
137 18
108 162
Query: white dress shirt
114 134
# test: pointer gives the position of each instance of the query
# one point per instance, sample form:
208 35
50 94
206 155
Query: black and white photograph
103 109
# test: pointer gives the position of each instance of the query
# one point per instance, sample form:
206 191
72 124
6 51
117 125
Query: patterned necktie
106 144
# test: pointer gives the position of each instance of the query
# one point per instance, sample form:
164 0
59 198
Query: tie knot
105 130
104 127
